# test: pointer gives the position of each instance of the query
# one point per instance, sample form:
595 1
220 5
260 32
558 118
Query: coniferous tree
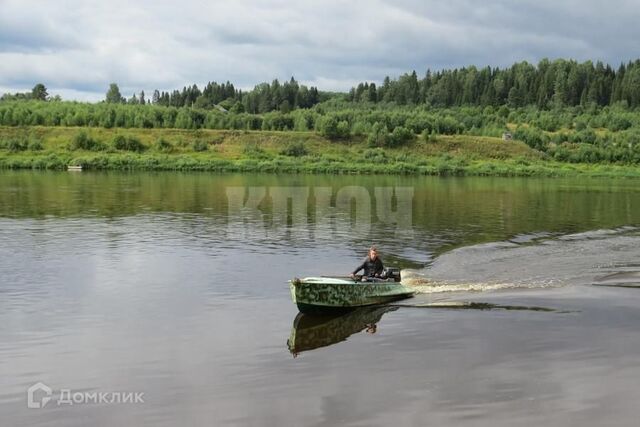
372 95
559 83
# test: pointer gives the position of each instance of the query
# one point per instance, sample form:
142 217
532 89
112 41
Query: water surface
527 309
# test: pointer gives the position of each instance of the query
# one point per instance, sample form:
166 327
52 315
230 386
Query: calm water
175 286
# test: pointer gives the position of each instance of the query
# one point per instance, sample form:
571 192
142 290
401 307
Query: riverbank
56 148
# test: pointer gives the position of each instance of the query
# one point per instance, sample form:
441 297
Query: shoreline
184 163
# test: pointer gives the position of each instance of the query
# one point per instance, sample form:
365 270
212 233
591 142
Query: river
162 298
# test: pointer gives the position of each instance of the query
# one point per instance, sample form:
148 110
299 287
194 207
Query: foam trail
621 277
574 259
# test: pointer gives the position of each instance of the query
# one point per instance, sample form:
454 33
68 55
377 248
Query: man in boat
372 265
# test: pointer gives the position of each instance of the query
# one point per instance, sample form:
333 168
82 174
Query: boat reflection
312 331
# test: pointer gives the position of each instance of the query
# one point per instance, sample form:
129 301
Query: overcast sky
77 47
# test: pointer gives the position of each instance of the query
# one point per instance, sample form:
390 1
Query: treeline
117 115
550 84
38 93
265 97
334 118
358 118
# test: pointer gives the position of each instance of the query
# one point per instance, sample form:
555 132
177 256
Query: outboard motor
392 273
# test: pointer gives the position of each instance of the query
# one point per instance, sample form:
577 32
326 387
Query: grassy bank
276 152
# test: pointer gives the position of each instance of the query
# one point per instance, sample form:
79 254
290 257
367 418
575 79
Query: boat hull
326 295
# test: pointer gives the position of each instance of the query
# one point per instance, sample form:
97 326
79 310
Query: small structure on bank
506 136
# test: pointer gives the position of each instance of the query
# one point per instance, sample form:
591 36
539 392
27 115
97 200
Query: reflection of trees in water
310 332
439 214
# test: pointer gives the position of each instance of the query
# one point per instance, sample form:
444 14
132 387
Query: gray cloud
78 47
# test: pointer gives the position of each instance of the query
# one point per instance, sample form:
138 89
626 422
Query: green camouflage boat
340 294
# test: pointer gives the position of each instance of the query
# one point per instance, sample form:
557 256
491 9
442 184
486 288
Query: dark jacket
371 268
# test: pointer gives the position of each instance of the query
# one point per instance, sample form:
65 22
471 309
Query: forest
568 111
550 84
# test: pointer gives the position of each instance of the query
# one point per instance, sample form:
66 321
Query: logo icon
38 395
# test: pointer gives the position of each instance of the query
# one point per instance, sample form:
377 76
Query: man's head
373 253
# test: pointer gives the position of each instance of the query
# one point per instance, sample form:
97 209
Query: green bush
533 137
548 122
503 111
580 125
17 144
200 145
560 137
361 128
82 141
164 146
35 145
448 125
333 128
376 155
344 129
128 143
429 137
618 123
378 136
277 121
400 136
295 149
253 150
587 136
